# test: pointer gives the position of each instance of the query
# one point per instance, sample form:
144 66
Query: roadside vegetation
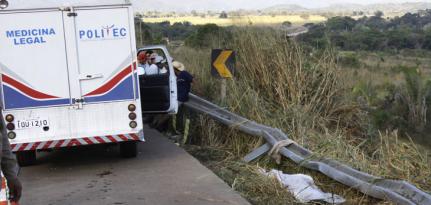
366 108
372 33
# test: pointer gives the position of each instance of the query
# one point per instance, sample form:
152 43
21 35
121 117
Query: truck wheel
26 158
129 149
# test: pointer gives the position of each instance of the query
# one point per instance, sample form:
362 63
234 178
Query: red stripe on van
47 144
60 143
25 89
134 136
124 138
112 83
100 140
23 146
74 142
111 138
35 145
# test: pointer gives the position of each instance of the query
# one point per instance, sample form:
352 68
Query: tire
129 149
26 158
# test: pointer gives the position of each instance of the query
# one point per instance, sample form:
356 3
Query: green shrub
350 60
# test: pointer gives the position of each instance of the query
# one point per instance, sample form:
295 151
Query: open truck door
158 88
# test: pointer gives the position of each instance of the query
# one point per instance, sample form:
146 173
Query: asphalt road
162 174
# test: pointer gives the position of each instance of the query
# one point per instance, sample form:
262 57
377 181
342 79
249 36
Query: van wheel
26 158
129 149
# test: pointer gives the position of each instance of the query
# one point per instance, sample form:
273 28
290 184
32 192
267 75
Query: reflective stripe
75 142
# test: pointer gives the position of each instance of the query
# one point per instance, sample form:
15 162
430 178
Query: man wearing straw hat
184 84
184 81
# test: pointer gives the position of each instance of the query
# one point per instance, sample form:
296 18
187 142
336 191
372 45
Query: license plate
31 123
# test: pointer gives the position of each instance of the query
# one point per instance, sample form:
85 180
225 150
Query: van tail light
132 116
9 118
10 126
11 135
133 124
4 4
132 107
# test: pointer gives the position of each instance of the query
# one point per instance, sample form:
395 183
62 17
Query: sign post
223 89
223 67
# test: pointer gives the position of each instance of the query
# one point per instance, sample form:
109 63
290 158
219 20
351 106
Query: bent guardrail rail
397 191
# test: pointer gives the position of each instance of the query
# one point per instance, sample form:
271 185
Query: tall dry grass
277 83
281 85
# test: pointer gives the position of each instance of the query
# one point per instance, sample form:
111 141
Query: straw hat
178 65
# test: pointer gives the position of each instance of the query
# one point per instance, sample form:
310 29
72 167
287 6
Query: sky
259 4
228 5
188 5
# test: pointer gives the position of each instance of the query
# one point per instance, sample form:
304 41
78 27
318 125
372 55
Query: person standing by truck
184 81
9 166
184 84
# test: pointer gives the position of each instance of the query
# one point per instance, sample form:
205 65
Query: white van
68 78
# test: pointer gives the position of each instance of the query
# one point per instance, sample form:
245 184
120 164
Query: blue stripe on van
124 91
16 100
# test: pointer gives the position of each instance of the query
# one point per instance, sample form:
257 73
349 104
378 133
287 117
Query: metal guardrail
399 192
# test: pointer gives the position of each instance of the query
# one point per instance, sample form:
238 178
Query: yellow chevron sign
223 63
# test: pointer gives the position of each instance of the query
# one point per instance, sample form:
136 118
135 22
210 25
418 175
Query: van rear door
104 82
33 60
107 76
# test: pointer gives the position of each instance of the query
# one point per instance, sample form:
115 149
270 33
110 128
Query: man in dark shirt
184 84
184 81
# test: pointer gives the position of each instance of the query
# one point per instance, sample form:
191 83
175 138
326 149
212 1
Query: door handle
90 76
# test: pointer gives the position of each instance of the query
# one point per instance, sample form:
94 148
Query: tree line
191 35
374 33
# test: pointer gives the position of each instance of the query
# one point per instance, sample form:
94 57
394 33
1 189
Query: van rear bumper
44 145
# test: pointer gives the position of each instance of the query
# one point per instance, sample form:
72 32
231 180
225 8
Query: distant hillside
387 7
342 8
286 7
349 7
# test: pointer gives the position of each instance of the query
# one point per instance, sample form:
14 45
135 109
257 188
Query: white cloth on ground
303 187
